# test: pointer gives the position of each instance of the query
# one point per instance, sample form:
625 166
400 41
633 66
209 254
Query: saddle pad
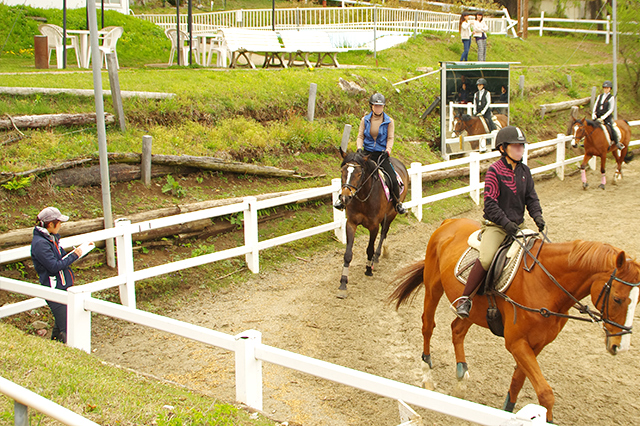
468 258
385 186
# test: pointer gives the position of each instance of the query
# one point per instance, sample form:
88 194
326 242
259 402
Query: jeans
466 44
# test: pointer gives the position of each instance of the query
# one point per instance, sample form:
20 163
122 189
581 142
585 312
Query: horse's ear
342 153
621 259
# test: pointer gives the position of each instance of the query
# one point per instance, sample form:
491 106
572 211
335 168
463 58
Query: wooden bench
300 44
242 43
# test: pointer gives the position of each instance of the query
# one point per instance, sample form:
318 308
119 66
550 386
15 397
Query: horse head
615 295
577 130
460 124
352 174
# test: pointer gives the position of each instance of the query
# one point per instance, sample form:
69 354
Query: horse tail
409 279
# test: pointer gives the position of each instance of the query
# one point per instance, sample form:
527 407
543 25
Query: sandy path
296 309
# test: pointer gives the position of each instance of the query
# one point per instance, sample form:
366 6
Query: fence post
415 22
124 249
594 92
344 144
251 235
416 189
339 216
116 96
560 148
606 37
78 320
521 85
541 23
21 414
145 162
311 106
525 156
474 177
248 369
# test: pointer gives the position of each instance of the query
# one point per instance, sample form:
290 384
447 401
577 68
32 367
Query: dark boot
339 205
400 208
476 276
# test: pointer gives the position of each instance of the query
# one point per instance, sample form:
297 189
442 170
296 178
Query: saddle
503 269
494 120
386 184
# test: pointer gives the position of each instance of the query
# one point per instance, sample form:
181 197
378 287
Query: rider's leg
395 187
617 135
492 237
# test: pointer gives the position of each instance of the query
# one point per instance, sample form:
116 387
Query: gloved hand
478 115
384 155
359 151
600 120
539 223
512 228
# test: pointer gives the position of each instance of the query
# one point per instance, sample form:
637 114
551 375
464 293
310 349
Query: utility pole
614 13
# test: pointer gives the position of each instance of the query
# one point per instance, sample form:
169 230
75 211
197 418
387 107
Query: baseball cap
50 214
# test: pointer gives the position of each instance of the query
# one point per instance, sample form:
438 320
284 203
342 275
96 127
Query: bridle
584 127
356 189
600 315
465 125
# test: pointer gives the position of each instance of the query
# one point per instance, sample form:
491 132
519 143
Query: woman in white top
480 29
465 35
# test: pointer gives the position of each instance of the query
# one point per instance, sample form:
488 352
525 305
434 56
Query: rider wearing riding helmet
482 103
375 139
508 189
603 113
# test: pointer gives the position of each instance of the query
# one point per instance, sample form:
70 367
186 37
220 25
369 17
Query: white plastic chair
216 45
54 41
172 34
109 44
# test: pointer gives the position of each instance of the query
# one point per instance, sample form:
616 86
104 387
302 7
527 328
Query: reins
361 185
599 316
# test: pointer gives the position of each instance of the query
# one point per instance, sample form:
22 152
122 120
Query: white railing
405 21
25 398
541 27
249 351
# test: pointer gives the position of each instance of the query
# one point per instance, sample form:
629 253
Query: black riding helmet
607 84
507 135
377 99
481 81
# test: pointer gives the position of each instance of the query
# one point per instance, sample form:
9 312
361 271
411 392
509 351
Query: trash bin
41 51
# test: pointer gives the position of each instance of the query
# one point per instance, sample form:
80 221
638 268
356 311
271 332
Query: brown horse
597 145
367 205
473 125
536 305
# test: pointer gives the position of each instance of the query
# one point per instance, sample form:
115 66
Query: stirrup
463 306
620 146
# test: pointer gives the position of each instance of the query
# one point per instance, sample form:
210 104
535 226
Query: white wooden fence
582 22
249 351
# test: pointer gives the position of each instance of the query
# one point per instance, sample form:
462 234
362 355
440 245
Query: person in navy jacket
51 264
376 135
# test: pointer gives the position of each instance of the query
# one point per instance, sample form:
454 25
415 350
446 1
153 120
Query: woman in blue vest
51 262
375 139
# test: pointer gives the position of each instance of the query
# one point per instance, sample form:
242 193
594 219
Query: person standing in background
480 29
465 35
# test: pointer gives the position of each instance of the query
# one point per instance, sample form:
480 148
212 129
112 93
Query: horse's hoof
342 294
462 371
585 185
369 271
508 405
601 186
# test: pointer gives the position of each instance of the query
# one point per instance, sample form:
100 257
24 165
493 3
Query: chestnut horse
535 306
367 205
473 125
597 145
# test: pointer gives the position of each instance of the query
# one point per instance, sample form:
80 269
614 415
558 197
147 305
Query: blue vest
380 144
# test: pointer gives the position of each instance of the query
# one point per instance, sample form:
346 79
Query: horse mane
354 157
590 255
592 123
465 117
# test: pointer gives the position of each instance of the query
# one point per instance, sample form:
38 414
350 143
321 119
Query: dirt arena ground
296 309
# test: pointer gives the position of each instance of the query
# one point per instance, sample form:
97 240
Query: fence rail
541 27
249 351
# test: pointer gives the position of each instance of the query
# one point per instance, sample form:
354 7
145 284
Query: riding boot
476 276
616 137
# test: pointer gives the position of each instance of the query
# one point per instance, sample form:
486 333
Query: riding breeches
389 170
492 237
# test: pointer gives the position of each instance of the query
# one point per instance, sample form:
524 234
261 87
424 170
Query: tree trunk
27 91
90 176
52 120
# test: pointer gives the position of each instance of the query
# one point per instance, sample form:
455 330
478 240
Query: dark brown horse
536 305
367 205
597 145
473 125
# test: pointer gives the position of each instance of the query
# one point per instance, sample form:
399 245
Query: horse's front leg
384 229
603 181
348 256
525 357
583 170
373 233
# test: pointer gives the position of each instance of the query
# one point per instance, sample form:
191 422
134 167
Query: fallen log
119 172
52 120
26 91
558 106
